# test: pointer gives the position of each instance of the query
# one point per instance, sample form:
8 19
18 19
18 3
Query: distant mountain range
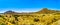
44 10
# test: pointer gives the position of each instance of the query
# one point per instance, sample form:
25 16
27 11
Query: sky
28 5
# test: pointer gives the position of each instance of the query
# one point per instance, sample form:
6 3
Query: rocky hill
47 11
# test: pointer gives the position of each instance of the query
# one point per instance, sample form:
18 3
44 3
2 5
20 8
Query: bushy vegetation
40 19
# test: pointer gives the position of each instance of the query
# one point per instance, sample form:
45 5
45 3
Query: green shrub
2 24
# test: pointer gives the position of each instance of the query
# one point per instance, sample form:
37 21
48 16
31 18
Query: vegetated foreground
45 17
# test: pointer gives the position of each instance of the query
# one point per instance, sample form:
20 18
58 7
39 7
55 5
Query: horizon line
30 11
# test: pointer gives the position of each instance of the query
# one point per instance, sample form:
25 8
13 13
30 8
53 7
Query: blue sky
28 5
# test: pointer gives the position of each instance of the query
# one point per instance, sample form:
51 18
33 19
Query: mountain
46 11
9 12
